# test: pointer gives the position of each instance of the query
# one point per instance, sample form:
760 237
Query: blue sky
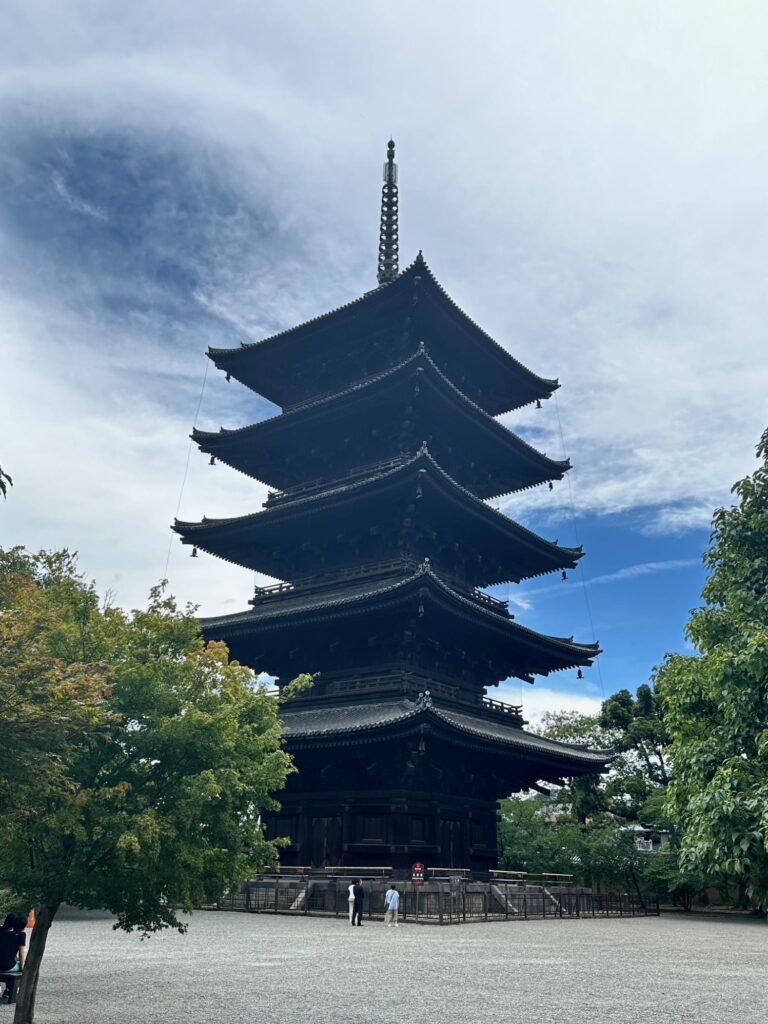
587 181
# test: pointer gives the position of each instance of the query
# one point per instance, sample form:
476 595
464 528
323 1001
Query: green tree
641 739
717 702
585 795
610 857
585 828
164 755
47 702
5 482
639 727
539 835
634 728
534 837
664 875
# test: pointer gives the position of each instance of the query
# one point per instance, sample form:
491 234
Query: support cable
186 467
582 574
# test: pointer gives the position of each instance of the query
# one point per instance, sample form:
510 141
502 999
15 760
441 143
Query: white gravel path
233 968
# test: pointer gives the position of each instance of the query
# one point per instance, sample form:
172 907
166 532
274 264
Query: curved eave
234 361
211 534
340 604
547 385
217 442
489 730
378 721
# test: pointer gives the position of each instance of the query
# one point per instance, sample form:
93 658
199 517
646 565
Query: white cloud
678 520
588 183
99 471
643 569
75 202
538 700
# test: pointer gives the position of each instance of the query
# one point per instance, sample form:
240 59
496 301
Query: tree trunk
636 883
25 1002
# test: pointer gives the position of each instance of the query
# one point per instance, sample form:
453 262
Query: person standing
13 942
359 904
391 902
351 901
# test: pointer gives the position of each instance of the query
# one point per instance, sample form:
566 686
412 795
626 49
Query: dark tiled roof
345 718
209 528
210 441
329 603
487 728
419 266
342 720
302 602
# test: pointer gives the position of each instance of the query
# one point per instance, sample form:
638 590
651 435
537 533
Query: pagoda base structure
393 783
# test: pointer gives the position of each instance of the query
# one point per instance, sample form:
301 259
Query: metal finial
388 229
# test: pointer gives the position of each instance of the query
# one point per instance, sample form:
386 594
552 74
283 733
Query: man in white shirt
351 901
391 902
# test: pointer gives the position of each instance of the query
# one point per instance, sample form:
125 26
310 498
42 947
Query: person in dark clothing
13 941
359 893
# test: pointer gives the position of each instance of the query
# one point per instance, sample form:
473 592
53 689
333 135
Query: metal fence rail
436 903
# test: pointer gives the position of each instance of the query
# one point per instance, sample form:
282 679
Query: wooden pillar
346 831
303 833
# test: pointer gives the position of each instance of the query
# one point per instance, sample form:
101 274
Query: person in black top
359 893
13 941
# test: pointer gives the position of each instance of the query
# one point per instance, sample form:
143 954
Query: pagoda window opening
371 828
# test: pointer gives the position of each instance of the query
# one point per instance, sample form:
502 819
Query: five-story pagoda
383 454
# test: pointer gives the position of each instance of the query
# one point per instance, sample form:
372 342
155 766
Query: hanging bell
538 404
579 674
550 485
194 553
212 461
229 378
565 575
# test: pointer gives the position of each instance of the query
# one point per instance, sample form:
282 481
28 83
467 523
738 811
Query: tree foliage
671 880
717 701
638 726
50 696
634 728
584 796
538 835
140 758
586 828
534 838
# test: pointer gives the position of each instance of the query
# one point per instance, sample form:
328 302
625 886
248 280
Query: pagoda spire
388 242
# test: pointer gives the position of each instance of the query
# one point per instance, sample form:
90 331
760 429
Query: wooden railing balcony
371 570
393 681
510 711
304 490
408 682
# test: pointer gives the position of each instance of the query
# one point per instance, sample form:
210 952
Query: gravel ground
233 968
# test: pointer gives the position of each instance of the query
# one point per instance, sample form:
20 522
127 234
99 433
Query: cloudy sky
588 181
